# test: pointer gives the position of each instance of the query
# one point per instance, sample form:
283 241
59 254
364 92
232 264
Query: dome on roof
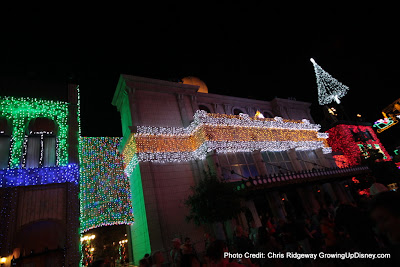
196 81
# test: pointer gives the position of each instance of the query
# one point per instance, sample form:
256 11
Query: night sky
253 50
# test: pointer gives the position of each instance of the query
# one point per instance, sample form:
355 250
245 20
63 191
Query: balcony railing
273 180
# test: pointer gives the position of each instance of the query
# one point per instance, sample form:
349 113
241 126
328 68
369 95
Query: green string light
20 111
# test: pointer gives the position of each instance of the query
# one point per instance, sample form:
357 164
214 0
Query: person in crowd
158 259
207 240
267 243
385 212
270 225
316 240
302 234
188 253
328 230
358 226
144 263
215 256
175 254
148 258
253 232
241 241
288 235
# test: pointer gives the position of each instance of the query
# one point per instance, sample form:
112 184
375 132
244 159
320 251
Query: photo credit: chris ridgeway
299 256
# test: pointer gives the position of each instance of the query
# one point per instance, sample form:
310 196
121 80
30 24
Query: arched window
205 108
267 114
237 111
5 142
40 144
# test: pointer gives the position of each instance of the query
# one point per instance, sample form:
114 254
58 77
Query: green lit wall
139 230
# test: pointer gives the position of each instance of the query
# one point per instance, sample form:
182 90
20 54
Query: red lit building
355 142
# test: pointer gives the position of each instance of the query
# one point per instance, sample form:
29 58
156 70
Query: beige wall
165 186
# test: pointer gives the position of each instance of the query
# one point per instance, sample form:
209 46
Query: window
266 114
308 159
40 150
205 108
5 142
277 162
237 111
237 165
40 144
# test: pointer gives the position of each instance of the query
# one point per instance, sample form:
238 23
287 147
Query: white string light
204 134
329 89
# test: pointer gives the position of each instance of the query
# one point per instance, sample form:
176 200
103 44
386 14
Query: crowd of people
371 226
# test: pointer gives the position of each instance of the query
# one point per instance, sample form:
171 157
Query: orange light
259 115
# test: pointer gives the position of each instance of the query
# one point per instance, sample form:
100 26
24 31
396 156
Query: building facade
39 181
351 140
174 132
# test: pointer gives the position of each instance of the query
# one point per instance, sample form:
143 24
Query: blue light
39 176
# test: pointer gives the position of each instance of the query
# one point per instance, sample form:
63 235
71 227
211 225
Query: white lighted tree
329 89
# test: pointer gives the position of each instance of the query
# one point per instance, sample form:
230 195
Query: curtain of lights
105 190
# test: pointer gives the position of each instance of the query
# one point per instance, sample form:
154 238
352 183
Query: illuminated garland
19 111
105 190
222 133
39 176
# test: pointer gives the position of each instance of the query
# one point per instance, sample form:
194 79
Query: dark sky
244 49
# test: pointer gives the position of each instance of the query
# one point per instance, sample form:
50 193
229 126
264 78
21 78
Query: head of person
187 240
385 212
176 242
215 252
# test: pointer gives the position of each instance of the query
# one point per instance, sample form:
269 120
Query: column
213 164
293 158
259 162
133 107
321 157
228 109
193 101
275 203
182 110
313 202
250 204
304 200
328 189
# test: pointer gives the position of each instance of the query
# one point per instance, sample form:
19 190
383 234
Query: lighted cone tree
329 89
